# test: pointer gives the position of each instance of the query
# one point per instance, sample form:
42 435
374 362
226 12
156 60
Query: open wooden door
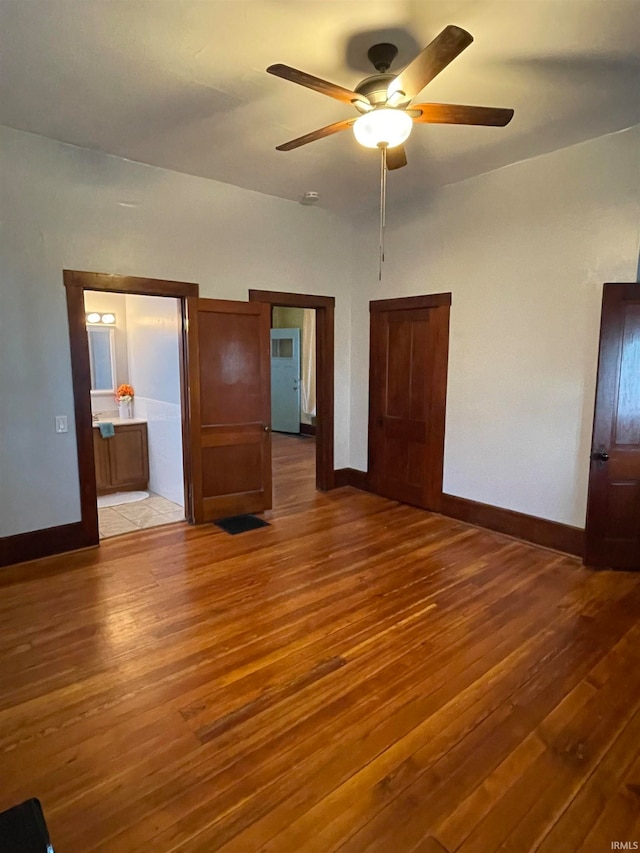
230 407
613 513
407 397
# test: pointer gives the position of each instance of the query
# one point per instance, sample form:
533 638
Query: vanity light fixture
95 319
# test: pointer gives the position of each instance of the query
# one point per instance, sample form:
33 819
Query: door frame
434 492
325 316
75 283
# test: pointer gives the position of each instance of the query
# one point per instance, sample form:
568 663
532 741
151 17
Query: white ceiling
181 83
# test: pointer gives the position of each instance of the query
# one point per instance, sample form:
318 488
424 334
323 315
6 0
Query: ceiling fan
384 100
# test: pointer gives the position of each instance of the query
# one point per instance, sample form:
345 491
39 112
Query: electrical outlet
61 423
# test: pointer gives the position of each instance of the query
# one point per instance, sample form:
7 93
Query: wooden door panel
409 352
398 368
622 520
230 368
613 514
231 439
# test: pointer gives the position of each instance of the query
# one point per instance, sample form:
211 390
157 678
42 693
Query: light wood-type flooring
359 676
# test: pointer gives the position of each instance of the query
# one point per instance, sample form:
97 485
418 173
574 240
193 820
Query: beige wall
524 252
70 208
287 318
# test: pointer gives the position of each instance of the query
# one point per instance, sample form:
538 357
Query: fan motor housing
375 89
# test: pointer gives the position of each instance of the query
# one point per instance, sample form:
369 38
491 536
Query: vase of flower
124 399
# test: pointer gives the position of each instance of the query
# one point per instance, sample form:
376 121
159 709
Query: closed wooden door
407 397
230 407
285 380
613 514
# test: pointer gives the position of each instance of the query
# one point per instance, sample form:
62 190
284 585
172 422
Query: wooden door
230 407
407 397
613 514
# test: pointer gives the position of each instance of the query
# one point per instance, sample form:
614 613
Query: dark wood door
613 514
230 401
407 397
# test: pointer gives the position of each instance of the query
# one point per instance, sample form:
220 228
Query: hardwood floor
359 676
294 472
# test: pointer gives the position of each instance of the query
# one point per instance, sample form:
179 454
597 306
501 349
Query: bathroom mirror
101 358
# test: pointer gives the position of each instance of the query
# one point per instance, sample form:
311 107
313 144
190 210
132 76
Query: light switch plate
61 423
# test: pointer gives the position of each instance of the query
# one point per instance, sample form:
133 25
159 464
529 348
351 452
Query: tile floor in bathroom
150 512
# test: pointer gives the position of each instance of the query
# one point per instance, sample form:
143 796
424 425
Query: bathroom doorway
134 358
123 465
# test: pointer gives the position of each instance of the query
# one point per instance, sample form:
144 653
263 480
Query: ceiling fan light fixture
383 127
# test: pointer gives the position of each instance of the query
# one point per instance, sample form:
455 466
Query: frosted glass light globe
382 127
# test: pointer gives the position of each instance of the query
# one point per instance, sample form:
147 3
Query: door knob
600 456
266 427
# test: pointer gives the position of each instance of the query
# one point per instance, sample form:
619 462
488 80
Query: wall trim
352 477
528 528
129 284
540 531
34 544
411 303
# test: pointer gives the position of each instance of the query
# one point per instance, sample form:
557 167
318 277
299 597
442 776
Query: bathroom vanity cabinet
122 461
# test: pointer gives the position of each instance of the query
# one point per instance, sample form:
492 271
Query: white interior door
285 380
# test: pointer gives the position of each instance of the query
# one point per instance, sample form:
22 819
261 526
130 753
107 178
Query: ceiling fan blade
316 134
460 114
396 157
436 56
318 85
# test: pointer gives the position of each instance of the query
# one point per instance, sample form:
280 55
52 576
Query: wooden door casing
75 283
407 397
229 366
324 306
613 512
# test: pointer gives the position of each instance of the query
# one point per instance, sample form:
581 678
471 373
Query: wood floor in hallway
294 472
359 676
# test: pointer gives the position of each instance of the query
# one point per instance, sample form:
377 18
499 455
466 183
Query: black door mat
23 829
241 523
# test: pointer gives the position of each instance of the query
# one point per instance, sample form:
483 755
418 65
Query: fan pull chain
383 204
